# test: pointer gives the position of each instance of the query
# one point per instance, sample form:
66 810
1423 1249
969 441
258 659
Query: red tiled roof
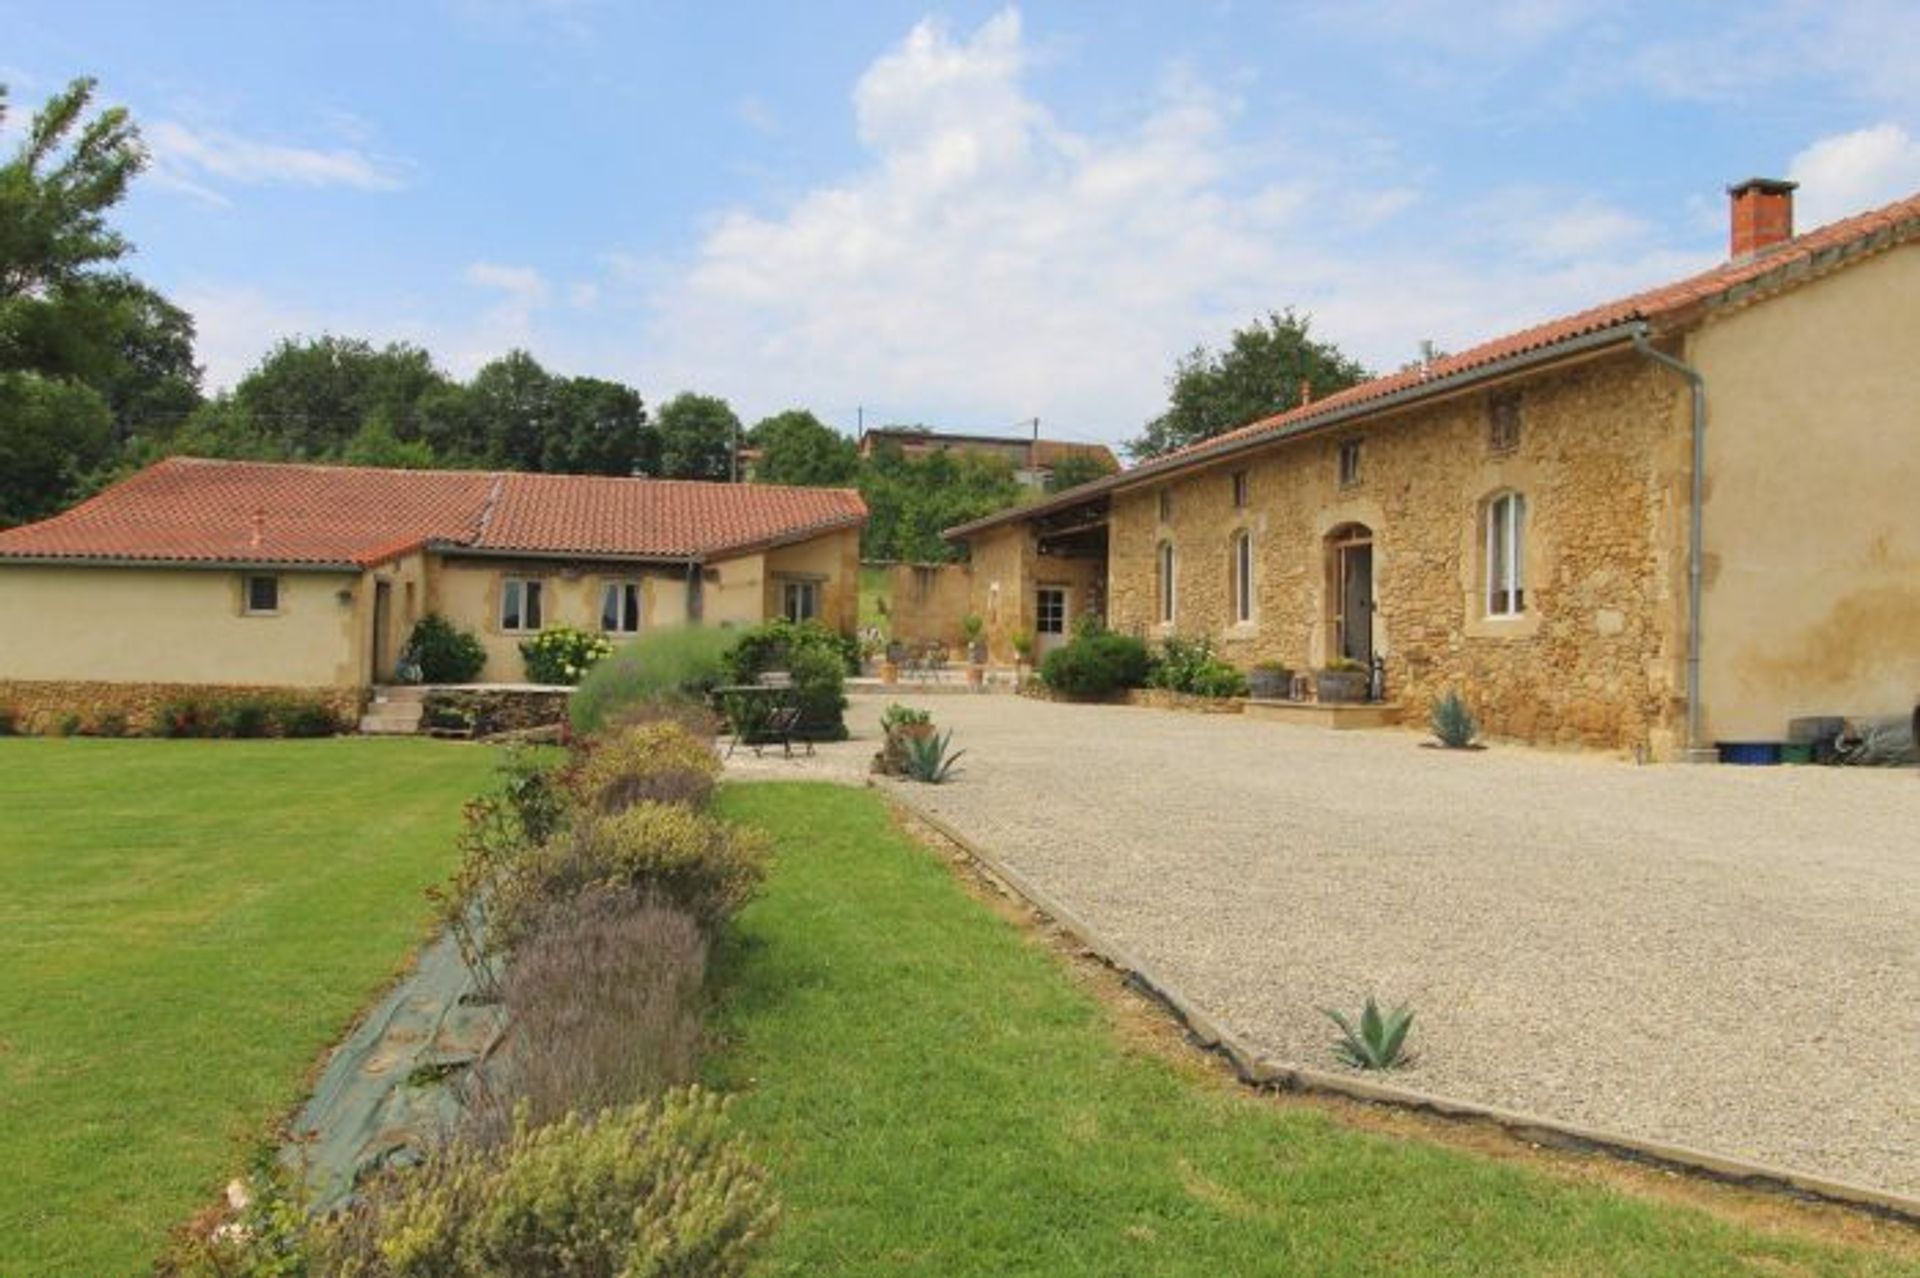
190 510
1663 309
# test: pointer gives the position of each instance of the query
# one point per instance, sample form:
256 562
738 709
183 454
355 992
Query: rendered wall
1812 513
1596 660
926 602
467 593
176 626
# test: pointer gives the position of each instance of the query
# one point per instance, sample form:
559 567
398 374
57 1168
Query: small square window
262 596
1349 462
1503 422
1240 489
1166 504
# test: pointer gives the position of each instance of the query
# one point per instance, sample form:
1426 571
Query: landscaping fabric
390 1089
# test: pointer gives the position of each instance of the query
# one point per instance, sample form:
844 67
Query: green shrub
682 663
1378 1041
1453 723
662 851
306 719
110 723
1096 662
563 654
9 721
69 725
444 652
656 1188
1190 666
815 656
242 717
658 762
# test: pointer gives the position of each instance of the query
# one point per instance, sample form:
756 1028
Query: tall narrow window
1166 504
1349 462
620 608
1503 423
1166 582
1240 489
1243 576
1506 555
520 603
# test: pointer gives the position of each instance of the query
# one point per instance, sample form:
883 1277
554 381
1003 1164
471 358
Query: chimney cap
1765 186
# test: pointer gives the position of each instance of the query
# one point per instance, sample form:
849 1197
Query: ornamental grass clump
657 762
1377 1042
1453 723
660 1187
672 664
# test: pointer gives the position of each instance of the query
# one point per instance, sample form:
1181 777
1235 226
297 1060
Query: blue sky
968 214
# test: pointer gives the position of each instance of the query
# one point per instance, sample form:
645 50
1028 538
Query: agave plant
1453 722
1378 1041
928 760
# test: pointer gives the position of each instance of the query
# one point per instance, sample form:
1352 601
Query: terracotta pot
976 676
889 673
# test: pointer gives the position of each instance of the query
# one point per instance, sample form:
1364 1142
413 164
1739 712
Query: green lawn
184 927
936 1096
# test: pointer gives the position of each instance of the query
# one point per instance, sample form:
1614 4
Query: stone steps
394 712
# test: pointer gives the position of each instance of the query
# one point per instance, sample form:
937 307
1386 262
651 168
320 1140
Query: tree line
98 378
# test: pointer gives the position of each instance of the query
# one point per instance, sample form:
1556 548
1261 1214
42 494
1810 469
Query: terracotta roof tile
189 510
1667 307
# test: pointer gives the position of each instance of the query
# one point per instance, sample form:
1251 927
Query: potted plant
902 726
890 661
1022 641
1341 681
1269 681
975 629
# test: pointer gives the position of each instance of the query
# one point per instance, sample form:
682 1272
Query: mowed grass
185 926
935 1095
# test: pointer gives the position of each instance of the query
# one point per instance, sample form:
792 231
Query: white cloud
199 161
1851 172
990 262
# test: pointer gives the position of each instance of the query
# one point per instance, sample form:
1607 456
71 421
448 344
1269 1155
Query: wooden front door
382 622
1353 596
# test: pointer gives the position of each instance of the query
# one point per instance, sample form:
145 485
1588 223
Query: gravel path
1727 958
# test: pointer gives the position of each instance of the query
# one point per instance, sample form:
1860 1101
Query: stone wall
926 602
44 706
1596 659
492 710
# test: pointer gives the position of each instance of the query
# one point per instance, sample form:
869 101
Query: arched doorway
1350 592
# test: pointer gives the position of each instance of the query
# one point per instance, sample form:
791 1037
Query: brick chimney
1762 215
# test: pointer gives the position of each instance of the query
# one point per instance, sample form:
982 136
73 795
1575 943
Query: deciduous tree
697 437
798 448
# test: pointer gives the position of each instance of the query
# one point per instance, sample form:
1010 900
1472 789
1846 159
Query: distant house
1518 521
1033 459
262 575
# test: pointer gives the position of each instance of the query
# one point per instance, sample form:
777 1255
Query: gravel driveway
1727 958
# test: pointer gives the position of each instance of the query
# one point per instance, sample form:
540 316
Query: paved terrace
1726 958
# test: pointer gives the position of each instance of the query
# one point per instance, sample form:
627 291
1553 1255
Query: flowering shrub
562 654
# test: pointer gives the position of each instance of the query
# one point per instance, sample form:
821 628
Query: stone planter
1270 683
1340 687
892 759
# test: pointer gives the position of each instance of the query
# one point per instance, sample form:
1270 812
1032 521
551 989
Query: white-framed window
1506 555
1243 576
800 600
260 595
520 600
620 607
1166 566
1050 610
1240 489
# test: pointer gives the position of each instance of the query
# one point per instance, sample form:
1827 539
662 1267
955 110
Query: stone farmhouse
255 575
1682 517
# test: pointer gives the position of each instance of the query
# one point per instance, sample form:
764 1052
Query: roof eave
460 550
211 565
1524 361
